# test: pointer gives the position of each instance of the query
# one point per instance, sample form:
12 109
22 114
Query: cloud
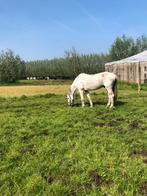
90 16
65 26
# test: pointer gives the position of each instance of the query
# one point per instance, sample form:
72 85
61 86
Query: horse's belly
90 82
92 87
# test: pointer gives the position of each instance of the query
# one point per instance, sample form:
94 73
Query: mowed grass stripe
17 91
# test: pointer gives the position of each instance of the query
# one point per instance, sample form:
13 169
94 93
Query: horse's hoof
112 107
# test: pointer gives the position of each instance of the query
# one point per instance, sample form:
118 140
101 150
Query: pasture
47 148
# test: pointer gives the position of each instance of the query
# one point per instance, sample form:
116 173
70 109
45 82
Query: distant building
131 69
38 78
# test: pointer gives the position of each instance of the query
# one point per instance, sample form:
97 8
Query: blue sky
41 29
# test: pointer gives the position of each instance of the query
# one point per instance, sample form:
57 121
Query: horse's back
88 81
108 75
93 81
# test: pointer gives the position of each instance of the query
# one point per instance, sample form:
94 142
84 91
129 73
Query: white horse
87 82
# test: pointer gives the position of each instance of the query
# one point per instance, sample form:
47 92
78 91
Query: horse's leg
82 97
110 97
89 98
108 103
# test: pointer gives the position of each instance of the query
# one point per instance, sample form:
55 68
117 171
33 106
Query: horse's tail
115 89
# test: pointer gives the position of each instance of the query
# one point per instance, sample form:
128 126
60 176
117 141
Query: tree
141 43
73 60
122 47
11 67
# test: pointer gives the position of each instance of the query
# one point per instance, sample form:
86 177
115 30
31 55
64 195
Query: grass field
47 148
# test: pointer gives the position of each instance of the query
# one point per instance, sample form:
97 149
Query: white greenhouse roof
141 57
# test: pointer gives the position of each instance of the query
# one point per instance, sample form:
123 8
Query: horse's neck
72 90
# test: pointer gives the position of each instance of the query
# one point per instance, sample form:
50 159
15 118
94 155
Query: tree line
12 67
68 67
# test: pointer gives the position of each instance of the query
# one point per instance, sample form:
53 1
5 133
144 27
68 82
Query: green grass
47 148
37 82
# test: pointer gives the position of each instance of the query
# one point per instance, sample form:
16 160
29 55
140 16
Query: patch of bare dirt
144 128
98 180
28 149
135 124
143 188
48 178
145 161
112 123
44 133
141 152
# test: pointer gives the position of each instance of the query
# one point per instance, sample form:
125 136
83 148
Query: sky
45 29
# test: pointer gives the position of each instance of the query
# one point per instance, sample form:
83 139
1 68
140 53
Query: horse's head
70 99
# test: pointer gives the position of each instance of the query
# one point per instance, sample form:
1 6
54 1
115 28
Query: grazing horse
87 82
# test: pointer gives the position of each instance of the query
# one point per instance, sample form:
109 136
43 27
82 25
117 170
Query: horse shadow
120 103
96 103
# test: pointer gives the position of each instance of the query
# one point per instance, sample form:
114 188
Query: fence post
139 77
